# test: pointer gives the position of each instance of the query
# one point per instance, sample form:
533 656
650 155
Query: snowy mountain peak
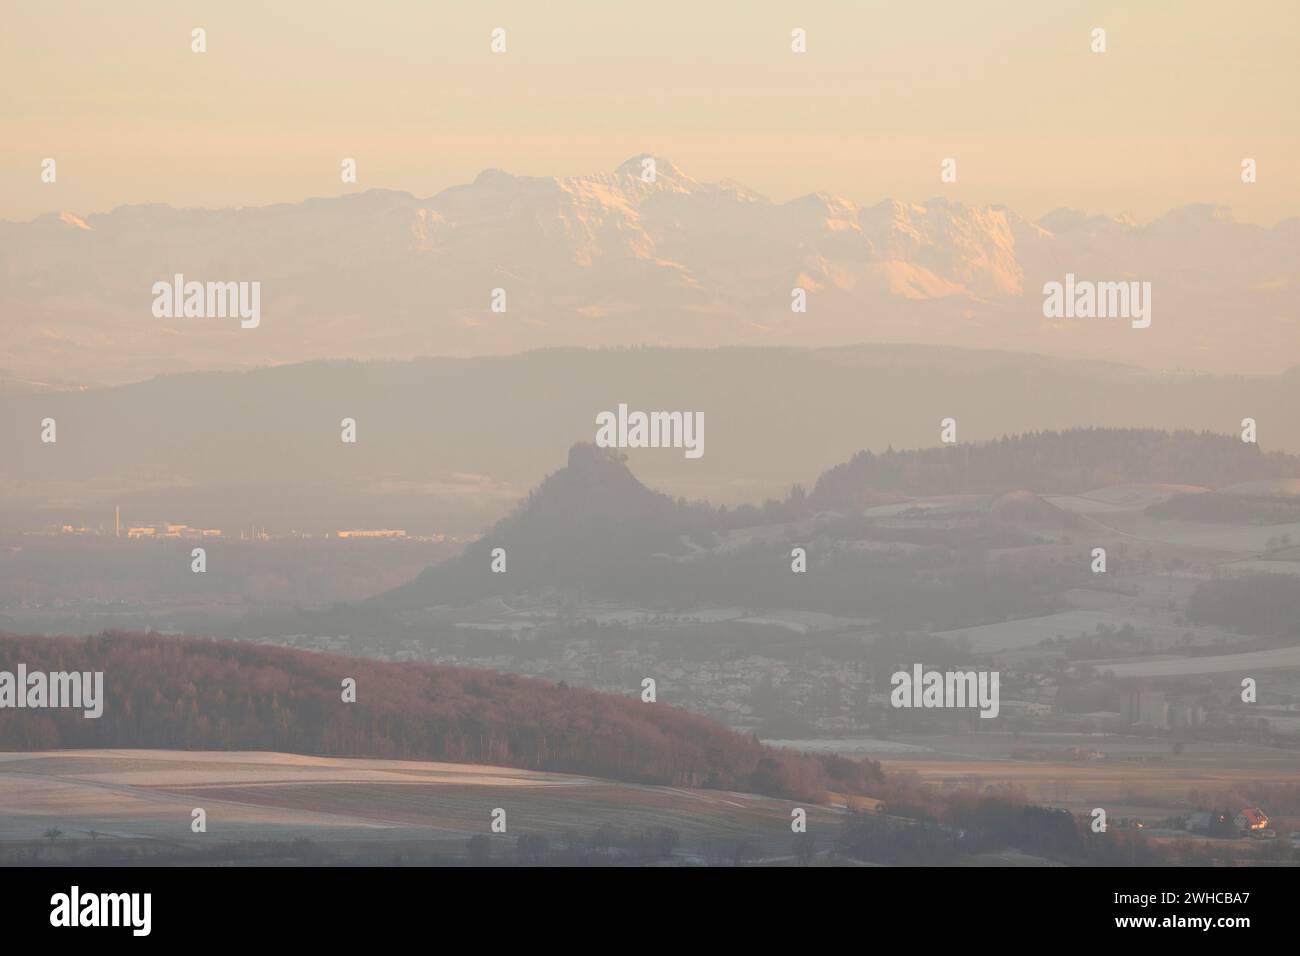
652 171
616 259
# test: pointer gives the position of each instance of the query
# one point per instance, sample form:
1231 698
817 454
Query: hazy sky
886 90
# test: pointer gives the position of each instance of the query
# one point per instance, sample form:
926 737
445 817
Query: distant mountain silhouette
449 445
586 526
614 259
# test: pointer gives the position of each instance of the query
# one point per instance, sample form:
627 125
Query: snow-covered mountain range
612 259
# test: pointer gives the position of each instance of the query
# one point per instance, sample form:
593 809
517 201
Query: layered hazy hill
593 529
454 443
1062 463
591 525
611 259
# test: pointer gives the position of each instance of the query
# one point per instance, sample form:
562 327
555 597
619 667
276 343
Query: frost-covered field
1281 658
151 793
1010 635
146 796
1262 567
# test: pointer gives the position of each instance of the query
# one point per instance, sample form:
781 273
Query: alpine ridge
615 259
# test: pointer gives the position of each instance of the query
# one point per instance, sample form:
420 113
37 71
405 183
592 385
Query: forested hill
1065 462
592 529
196 694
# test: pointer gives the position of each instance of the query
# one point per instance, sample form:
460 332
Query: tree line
199 694
1071 461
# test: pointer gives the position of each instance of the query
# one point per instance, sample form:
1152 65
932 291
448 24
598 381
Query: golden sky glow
410 89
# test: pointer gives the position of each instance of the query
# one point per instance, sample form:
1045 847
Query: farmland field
1026 632
1278 658
1132 788
1126 774
147 796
